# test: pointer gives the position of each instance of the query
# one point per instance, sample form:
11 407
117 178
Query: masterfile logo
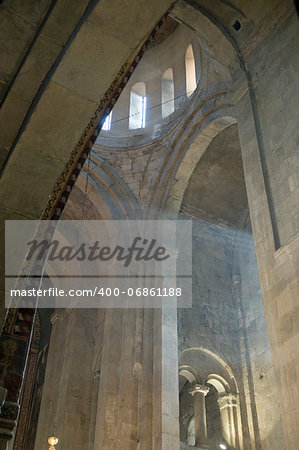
108 262
140 250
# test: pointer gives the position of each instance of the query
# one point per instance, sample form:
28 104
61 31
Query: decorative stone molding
240 92
242 89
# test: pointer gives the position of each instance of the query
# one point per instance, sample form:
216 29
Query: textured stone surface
279 120
276 271
219 176
113 397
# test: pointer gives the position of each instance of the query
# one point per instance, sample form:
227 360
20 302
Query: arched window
137 106
167 93
190 71
107 123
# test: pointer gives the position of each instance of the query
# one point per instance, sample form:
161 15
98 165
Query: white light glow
190 72
107 123
137 117
222 446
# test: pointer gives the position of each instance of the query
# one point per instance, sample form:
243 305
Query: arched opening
208 401
190 71
137 106
214 424
167 93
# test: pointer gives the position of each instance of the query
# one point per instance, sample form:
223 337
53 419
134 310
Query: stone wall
260 389
233 327
277 95
268 128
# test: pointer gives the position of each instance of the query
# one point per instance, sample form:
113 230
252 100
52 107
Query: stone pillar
272 222
253 431
228 405
170 387
67 398
199 392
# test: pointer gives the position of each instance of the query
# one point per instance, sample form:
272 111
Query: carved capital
199 389
227 400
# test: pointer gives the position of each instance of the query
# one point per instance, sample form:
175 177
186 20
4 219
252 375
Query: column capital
227 400
199 388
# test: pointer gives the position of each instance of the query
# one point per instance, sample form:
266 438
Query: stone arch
205 364
220 384
191 158
203 369
189 374
106 183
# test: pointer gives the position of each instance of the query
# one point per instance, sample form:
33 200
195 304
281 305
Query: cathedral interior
137 109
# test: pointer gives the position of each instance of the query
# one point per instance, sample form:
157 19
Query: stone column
227 405
170 388
252 432
199 392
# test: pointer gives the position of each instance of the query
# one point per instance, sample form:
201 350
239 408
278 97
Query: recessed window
107 123
167 93
190 71
137 106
